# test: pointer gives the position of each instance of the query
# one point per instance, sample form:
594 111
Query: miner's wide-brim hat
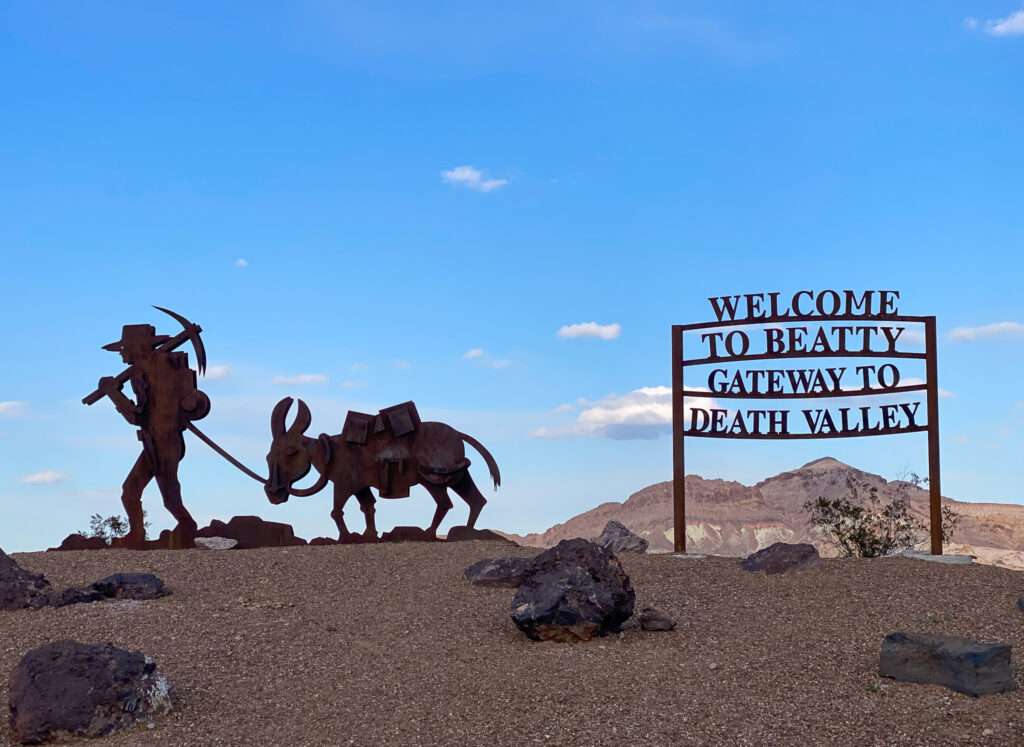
136 335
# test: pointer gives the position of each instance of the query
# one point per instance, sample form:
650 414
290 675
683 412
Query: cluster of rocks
75 689
250 532
20 589
573 591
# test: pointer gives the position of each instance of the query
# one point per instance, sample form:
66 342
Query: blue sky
365 193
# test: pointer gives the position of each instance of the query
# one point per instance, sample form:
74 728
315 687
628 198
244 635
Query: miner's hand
108 384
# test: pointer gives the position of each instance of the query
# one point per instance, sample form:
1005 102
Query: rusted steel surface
166 400
389 452
733 347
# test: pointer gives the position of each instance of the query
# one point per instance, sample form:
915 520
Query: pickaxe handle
175 342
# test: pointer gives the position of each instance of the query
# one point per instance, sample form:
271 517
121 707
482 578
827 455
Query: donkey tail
492 465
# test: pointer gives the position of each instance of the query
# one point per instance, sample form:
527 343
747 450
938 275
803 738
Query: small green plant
112 527
861 525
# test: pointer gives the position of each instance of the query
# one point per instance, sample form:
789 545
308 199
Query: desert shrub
111 527
862 525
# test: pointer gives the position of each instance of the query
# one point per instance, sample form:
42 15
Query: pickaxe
190 332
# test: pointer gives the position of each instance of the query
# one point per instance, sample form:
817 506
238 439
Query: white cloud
241 264
12 408
1012 25
567 407
46 477
359 367
471 178
997 329
220 371
916 381
641 414
482 358
353 384
302 378
403 364
591 329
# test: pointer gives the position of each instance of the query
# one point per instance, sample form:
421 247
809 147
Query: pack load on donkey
390 451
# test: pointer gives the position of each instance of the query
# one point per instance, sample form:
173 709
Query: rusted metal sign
809 324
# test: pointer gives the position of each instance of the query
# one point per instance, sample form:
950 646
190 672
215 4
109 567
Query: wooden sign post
824 324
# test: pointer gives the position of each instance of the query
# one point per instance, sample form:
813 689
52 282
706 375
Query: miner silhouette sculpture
166 400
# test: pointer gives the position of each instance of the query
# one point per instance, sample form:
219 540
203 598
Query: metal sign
808 324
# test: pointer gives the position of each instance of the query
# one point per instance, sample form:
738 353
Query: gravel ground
387 644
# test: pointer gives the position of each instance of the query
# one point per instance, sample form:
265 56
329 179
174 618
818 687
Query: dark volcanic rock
617 538
323 541
498 571
72 595
465 534
407 534
252 531
782 557
19 588
83 690
131 586
572 592
1020 604
80 542
960 664
655 620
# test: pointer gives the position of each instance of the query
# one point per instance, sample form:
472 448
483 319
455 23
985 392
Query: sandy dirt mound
372 645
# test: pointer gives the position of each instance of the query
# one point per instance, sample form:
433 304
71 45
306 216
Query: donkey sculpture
391 452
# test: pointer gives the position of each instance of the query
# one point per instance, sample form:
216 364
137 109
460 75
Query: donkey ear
278 415
302 420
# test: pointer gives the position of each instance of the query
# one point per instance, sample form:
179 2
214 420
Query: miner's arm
128 409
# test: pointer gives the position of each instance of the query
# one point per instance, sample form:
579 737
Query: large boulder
72 595
19 588
617 538
782 557
572 592
131 586
252 532
467 534
408 534
960 664
216 543
507 572
81 542
70 688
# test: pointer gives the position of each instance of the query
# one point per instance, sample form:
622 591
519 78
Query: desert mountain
729 518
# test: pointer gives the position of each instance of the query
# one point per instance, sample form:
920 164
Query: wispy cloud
217 372
916 381
353 384
471 178
643 413
241 263
12 407
482 358
46 477
997 329
359 367
403 364
302 378
590 329
1011 25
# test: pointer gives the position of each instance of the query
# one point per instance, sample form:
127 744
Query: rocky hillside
728 518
